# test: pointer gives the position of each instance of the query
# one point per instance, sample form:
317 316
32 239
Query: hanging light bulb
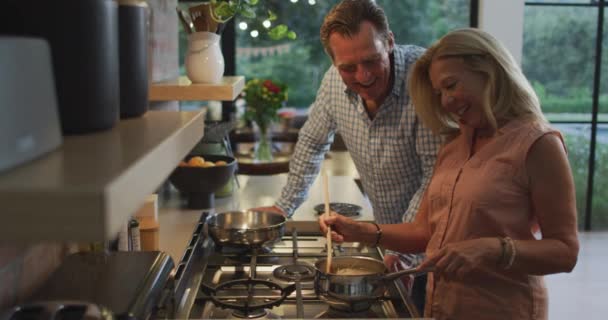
243 25
254 33
294 1
312 2
266 24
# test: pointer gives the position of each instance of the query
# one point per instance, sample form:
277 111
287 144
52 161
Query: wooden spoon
328 213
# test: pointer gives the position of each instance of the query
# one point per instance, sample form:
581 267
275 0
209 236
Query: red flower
271 87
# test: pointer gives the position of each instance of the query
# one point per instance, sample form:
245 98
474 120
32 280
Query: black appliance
129 284
133 53
83 36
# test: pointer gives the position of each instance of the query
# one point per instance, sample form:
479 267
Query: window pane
603 106
577 143
558 52
599 212
422 22
562 1
302 63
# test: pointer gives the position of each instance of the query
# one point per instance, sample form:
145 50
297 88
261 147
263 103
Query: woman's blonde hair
507 94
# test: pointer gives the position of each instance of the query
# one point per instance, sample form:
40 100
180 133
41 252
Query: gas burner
255 314
345 209
260 314
331 313
257 295
297 271
341 306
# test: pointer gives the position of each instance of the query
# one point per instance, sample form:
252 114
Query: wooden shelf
86 189
183 89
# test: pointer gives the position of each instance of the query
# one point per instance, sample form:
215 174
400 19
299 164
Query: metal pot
247 228
369 285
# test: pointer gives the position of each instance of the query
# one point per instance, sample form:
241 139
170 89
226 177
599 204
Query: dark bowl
200 184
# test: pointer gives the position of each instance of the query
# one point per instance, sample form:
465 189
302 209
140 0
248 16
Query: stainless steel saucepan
247 228
355 278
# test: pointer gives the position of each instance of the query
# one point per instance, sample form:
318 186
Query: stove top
270 283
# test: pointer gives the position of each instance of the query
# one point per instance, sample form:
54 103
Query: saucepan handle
410 271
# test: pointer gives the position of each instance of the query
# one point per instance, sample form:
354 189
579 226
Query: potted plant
204 24
263 99
224 10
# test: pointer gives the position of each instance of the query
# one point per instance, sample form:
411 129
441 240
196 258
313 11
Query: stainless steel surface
399 274
351 288
369 283
237 276
246 228
205 264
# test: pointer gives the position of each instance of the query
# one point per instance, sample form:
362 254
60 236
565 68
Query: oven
276 282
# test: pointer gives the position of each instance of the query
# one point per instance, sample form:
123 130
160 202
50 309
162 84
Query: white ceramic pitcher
204 60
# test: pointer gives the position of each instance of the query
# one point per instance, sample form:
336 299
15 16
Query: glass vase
262 151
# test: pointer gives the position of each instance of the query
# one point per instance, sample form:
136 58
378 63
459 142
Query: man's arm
314 140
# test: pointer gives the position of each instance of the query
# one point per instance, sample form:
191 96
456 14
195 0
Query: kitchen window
302 63
562 54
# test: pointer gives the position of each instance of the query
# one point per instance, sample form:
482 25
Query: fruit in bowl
200 176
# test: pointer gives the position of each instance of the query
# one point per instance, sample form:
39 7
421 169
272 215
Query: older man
363 98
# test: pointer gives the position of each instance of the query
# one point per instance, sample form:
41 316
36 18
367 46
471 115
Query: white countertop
177 224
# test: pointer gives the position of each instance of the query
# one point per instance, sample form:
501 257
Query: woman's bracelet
503 252
508 253
513 253
378 234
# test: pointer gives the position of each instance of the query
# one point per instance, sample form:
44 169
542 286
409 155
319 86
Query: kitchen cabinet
91 185
182 89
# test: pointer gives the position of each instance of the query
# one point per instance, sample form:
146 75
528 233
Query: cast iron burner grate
297 271
253 303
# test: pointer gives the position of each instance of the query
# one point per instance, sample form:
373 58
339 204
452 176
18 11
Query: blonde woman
500 209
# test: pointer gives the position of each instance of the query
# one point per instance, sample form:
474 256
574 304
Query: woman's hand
457 260
343 229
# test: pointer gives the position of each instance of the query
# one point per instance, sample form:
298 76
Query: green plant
263 98
224 10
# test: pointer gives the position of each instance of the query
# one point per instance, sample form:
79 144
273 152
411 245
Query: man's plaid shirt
393 153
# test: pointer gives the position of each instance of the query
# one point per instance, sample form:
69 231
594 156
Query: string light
254 33
312 2
294 1
243 25
266 24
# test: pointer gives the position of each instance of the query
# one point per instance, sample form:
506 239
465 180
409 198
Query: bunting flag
249 52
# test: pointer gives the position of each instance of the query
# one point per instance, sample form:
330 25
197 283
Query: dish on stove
247 228
346 209
352 271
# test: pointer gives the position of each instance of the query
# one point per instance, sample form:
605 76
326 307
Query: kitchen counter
177 223
86 189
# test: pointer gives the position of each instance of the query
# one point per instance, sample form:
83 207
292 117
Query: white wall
504 19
